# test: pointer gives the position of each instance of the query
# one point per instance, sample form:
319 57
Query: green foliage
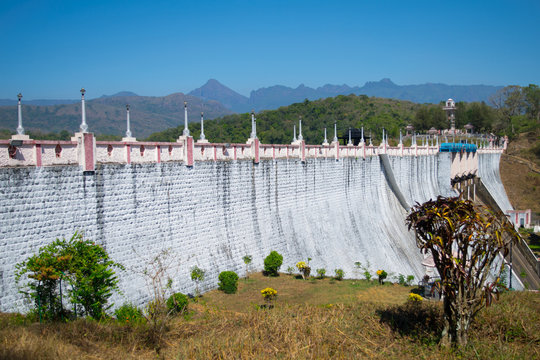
321 273
410 279
79 263
401 279
272 263
464 239
197 275
339 274
128 313
290 270
247 260
228 282
177 303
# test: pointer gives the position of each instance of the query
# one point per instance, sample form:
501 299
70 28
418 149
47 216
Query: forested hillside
374 114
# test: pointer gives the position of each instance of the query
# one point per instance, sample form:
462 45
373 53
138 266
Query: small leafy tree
197 275
321 273
464 240
247 260
272 263
82 264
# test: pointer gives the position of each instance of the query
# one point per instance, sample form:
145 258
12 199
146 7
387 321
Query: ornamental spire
20 129
186 129
84 126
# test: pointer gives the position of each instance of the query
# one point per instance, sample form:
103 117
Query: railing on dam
84 150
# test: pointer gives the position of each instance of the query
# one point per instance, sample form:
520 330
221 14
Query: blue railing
457 147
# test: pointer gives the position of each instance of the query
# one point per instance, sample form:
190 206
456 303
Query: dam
210 204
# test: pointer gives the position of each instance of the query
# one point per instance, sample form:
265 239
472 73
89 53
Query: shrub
177 303
382 275
128 313
304 269
272 263
321 273
414 297
290 270
228 282
410 279
339 274
269 294
401 279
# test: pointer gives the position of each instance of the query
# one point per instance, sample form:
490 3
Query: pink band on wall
38 155
88 141
189 143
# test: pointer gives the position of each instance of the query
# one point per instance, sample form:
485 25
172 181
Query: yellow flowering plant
382 275
304 269
269 294
414 297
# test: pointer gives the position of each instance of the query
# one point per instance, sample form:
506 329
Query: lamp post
84 127
128 131
202 137
300 137
186 129
253 125
20 129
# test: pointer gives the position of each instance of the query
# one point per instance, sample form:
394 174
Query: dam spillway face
214 213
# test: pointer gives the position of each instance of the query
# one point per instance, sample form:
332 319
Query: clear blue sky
50 49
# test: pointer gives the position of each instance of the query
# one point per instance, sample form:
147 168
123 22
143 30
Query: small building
520 218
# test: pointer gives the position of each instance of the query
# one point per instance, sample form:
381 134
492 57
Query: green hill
276 126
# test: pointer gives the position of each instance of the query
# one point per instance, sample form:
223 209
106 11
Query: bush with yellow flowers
269 294
304 269
382 275
414 298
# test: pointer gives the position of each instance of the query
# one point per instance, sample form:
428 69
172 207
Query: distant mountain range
150 114
107 114
275 96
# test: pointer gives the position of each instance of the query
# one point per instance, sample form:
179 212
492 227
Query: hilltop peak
214 90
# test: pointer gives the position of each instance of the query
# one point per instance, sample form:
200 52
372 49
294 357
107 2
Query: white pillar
300 137
186 129
202 137
335 133
128 131
253 125
20 129
294 133
350 141
362 139
84 127
325 142
400 138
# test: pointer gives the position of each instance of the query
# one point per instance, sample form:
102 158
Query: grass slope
312 319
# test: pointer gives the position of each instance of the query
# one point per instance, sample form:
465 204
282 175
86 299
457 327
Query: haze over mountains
106 114
272 97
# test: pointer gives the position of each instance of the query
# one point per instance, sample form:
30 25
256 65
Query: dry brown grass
370 322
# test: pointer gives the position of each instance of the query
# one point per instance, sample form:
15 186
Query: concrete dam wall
214 213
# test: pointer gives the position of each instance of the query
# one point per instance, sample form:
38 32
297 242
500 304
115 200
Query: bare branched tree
464 240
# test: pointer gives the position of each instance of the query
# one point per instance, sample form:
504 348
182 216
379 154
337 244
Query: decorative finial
128 131
186 128
84 126
20 129
300 137
335 132
202 137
